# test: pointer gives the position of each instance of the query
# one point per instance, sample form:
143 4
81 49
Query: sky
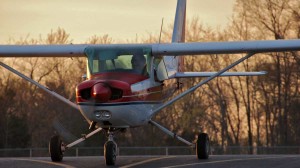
120 19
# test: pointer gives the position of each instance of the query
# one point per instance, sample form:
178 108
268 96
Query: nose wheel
110 153
110 150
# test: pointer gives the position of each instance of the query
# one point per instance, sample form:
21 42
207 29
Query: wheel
110 153
56 147
202 146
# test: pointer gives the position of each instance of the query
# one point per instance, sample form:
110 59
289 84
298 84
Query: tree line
239 111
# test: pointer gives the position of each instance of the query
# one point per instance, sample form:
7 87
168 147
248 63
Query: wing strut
201 83
61 98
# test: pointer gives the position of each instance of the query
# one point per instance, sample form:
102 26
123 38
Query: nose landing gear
110 150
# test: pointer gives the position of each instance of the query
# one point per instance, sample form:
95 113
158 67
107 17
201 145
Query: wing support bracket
172 134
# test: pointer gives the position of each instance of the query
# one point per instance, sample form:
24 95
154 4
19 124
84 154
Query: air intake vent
86 94
116 94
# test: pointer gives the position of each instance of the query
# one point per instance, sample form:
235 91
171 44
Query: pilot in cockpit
138 62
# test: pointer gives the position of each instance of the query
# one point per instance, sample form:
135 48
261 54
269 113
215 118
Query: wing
42 50
178 49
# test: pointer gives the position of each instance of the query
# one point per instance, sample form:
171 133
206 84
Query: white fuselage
119 115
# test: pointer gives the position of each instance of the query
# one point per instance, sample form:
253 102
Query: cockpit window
119 60
120 63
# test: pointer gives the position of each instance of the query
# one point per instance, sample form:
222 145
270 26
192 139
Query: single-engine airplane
124 85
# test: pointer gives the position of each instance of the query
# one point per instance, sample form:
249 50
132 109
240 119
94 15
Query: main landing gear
57 147
202 144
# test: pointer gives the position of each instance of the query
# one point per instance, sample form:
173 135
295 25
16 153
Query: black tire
202 146
110 153
55 150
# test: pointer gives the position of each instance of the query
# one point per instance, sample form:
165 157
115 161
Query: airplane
124 85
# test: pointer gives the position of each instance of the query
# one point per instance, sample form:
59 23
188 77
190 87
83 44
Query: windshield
119 60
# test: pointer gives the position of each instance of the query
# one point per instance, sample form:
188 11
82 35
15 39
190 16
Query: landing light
102 114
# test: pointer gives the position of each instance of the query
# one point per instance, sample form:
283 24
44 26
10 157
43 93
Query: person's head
138 62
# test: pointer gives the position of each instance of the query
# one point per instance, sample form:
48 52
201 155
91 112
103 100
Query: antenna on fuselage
161 27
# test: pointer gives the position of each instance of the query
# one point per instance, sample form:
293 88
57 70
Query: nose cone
101 92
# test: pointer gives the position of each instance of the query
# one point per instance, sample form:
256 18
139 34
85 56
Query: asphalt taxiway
224 161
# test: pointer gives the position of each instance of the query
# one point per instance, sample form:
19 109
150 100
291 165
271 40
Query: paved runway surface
224 161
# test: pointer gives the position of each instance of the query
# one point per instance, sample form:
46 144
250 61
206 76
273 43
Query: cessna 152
124 86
